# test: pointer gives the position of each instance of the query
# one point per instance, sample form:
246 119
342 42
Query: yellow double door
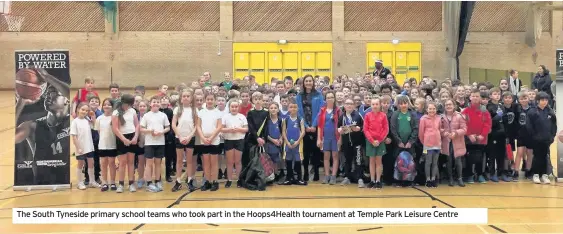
267 60
403 59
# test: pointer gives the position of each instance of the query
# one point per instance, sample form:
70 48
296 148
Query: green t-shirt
404 126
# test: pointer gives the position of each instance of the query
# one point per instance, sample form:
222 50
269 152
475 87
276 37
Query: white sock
91 176
79 175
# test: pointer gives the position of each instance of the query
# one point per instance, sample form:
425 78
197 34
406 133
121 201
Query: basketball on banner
42 140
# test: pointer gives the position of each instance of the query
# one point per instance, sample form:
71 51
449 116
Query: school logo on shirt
510 117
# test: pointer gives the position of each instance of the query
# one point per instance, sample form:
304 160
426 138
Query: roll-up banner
42 141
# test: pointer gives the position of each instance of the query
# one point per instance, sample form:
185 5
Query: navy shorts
84 156
154 151
292 154
330 145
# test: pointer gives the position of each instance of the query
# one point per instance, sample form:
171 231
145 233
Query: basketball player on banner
48 136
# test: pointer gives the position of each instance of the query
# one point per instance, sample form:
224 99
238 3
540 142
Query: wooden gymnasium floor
520 207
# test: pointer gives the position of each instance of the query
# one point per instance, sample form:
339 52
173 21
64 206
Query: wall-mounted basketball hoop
13 21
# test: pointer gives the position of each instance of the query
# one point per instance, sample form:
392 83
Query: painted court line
186 230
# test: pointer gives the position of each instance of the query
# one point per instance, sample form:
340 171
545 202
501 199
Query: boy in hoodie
350 125
404 131
496 144
542 127
478 128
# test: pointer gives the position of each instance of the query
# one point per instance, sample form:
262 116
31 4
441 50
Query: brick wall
153 58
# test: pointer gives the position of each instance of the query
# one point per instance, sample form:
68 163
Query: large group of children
456 133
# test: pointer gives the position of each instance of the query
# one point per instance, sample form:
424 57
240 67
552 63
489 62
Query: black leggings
474 158
496 153
539 161
311 154
170 158
353 156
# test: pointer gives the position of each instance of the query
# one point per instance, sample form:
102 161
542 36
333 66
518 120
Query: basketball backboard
5 7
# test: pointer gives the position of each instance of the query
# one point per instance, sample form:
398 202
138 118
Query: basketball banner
42 141
559 108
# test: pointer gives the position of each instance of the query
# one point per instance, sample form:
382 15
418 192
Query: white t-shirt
209 123
154 121
129 116
234 121
104 128
81 129
186 124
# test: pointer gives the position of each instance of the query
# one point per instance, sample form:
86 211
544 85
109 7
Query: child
274 136
542 127
245 105
279 91
510 122
404 131
154 125
256 119
223 110
376 129
478 127
532 97
125 126
460 99
82 94
340 97
429 135
183 124
140 162
227 82
106 146
453 129
293 131
162 90
365 107
170 140
140 90
350 126
114 94
82 138
234 129
496 145
389 144
208 129
523 139
94 104
284 111
328 136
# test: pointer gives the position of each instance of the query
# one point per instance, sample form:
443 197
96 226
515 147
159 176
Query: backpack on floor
405 167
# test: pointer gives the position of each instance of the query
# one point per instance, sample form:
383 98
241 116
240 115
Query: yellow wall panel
413 65
403 59
308 63
241 64
324 63
290 64
257 65
400 67
275 65
295 59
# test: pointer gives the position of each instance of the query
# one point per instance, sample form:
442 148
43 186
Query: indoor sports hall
159 43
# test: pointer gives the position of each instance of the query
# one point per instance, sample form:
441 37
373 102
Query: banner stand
559 110
42 114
